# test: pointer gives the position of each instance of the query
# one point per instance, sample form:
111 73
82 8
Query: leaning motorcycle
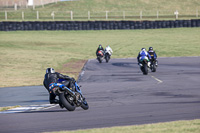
100 56
69 98
143 62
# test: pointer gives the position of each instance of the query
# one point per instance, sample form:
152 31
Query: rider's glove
73 80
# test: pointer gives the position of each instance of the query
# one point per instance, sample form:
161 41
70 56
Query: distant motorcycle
107 56
143 62
100 56
153 65
69 98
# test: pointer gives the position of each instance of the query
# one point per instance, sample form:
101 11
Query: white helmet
50 70
143 49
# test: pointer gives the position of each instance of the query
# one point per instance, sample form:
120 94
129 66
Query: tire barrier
96 25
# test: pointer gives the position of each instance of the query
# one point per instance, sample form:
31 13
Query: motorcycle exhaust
68 91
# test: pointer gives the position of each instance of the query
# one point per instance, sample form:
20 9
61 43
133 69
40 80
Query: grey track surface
119 94
28 95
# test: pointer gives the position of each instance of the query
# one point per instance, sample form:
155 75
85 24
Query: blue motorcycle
70 98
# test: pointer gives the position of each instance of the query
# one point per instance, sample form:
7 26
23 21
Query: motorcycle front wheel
69 106
99 59
107 59
85 105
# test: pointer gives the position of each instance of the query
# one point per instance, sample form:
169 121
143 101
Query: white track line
29 108
159 81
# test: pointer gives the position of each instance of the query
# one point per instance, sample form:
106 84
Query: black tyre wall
96 25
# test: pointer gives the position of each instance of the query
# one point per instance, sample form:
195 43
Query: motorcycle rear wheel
65 102
107 58
145 69
153 68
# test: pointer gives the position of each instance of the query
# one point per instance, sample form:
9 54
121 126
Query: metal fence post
124 15
15 6
71 15
106 15
33 7
157 14
37 15
22 15
53 15
88 15
176 13
6 16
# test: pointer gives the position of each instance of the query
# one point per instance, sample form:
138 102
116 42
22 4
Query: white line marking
29 108
159 81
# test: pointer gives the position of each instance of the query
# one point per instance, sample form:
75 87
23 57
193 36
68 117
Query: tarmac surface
118 94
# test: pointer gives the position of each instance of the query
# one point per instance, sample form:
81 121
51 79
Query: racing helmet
100 46
143 49
150 48
50 70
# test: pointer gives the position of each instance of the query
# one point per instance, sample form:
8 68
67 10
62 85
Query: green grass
187 10
25 55
125 5
192 126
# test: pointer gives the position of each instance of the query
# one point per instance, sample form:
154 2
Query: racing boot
156 63
61 105
54 101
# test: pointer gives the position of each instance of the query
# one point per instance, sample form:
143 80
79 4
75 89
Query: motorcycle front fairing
142 58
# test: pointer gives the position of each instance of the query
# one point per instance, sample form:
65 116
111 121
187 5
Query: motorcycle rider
143 52
52 77
153 55
108 49
100 47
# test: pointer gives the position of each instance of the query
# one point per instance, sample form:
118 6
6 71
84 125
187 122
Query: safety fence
96 25
34 15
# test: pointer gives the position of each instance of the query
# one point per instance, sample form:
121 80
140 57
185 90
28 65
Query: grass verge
25 55
62 10
191 126
8 107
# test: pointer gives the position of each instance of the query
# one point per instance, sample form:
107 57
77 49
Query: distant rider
109 50
99 48
153 55
143 52
52 77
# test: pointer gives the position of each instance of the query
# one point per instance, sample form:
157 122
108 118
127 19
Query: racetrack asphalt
118 94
